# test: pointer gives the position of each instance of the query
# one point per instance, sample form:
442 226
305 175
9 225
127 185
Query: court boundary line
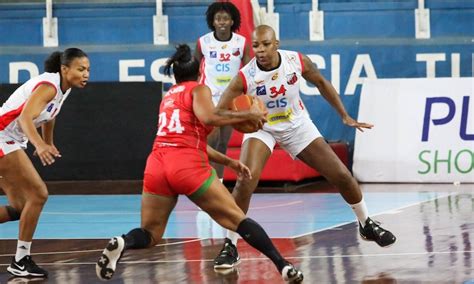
98 250
265 258
381 213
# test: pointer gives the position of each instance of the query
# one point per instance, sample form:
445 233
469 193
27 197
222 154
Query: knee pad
137 239
13 213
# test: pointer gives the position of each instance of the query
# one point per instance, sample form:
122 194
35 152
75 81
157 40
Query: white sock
232 236
22 250
360 209
221 179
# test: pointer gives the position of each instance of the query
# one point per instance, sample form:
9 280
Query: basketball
241 103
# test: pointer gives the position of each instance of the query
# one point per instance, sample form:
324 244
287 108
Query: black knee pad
13 213
137 239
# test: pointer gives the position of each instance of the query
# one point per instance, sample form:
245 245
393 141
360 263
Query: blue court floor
283 215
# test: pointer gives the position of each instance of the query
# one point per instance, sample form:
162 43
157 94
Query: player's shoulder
289 55
52 79
238 38
206 38
250 68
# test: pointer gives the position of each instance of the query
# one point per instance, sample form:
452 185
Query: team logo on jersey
224 46
291 78
175 90
10 142
275 76
168 103
213 54
236 51
252 71
261 91
50 107
223 80
280 117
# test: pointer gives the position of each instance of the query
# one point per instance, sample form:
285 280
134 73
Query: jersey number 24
174 124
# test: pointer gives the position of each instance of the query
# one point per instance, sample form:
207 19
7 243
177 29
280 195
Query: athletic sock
254 234
137 239
232 236
360 210
22 250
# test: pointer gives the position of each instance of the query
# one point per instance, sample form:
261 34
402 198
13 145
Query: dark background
104 131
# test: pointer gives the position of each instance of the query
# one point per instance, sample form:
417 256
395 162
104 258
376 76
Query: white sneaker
107 263
291 275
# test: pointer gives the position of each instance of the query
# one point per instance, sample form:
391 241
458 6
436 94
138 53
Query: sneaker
373 232
291 275
26 267
228 257
105 267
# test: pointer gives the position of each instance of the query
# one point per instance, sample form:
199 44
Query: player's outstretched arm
312 74
237 166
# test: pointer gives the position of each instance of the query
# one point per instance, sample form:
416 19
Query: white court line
264 258
391 211
175 211
94 250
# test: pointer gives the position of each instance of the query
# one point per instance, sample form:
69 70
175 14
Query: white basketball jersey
221 61
279 89
12 108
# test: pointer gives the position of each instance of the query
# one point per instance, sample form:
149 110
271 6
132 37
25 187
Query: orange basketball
244 102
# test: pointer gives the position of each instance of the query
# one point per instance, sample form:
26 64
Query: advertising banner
424 131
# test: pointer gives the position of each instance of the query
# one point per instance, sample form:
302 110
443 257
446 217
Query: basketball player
179 164
274 76
35 103
222 52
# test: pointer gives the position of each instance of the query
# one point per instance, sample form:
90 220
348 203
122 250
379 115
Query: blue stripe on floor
283 215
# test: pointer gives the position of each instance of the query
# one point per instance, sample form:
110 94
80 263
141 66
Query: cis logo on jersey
261 91
291 78
236 51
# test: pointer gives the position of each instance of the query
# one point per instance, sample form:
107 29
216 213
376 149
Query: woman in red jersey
179 164
35 103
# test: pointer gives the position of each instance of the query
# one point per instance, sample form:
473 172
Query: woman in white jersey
221 52
35 103
274 76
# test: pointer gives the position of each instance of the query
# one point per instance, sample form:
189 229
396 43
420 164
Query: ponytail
185 66
53 63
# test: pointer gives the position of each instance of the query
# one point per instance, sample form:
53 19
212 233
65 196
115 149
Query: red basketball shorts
174 171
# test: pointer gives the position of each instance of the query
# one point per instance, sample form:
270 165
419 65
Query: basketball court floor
313 228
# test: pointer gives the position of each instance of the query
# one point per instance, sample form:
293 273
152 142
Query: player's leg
254 154
224 137
319 155
27 194
220 205
213 141
155 212
157 203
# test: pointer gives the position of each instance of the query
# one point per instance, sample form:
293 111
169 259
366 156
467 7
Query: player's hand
258 114
349 121
47 154
242 170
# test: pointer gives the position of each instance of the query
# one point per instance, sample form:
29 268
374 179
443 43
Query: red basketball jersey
177 124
